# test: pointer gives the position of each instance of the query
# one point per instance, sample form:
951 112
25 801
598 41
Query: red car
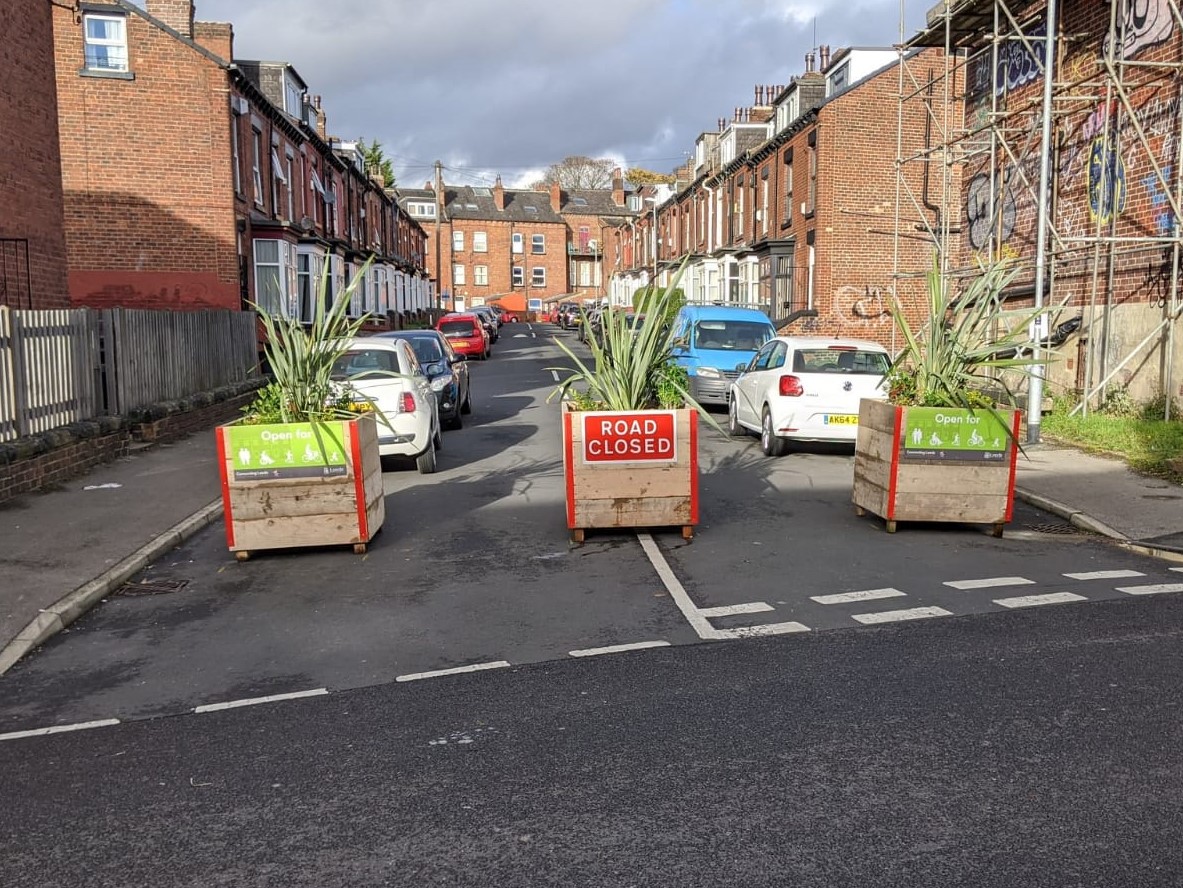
466 334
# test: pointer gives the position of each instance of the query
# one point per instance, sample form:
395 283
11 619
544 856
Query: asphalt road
1033 748
473 568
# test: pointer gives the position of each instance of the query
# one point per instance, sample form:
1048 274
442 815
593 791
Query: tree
377 162
579 173
638 176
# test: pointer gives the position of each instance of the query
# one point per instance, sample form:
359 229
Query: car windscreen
427 349
362 361
840 360
731 335
457 328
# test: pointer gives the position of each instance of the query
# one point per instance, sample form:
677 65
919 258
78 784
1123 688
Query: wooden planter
635 469
932 464
295 485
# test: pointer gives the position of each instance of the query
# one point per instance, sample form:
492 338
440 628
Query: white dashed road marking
990 583
1036 600
915 613
731 610
1105 575
255 701
60 729
866 595
555 374
476 667
1154 589
767 629
619 648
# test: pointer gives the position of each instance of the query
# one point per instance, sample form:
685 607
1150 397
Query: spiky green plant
301 361
631 368
957 358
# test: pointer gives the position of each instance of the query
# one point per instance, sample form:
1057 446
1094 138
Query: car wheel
488 353
733 426
769 442
438 440
455 422
466 407
425 461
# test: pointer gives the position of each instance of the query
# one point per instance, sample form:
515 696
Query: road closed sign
630 437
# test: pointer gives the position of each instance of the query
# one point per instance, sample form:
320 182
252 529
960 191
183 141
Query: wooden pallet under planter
928 464
293 485
630 469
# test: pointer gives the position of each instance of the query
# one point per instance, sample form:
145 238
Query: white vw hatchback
406 400
800 388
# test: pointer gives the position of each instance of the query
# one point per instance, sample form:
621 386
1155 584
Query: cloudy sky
512 86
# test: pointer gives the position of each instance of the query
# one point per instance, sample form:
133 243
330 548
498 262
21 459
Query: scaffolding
1056 135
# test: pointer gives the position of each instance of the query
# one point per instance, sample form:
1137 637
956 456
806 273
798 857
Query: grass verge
1150 446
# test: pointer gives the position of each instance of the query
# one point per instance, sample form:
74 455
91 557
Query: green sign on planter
954 435
288 450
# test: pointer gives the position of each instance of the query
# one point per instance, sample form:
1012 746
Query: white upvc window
538 276
519 276
236 151
257 164
538 243
480 275
318 196
458 274
276 277
480 242
309 271
518 242
105 42
289 158
458 241
278 180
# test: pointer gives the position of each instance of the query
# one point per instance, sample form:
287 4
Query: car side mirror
742 368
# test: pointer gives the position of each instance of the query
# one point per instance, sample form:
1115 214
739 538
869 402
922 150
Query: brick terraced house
195 181
32 238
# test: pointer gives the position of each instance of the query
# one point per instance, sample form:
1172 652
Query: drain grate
152 587
1054 527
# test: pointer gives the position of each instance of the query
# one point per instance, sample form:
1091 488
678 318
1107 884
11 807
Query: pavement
65 549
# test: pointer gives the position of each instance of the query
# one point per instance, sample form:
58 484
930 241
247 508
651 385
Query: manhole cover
1054 527
152 587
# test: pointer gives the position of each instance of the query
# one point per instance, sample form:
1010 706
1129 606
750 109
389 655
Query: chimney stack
617 188
177 14
498 194
321 121
556 196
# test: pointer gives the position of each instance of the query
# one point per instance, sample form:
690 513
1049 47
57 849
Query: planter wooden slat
898 489
346 509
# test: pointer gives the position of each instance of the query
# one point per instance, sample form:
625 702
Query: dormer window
105 41
293 96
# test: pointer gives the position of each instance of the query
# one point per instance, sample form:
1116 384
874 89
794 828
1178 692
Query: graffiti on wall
859 312
1018 65
1107 189
1146 23
989 213
1161 215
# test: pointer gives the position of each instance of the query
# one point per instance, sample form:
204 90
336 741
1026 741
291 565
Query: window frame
480 242
90 63
518 276
257 163
538 276
537 245
457 241
517 242
458 274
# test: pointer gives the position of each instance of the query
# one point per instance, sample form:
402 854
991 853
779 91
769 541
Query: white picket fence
61 366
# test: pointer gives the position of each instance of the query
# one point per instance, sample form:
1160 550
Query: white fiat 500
800 388
387 372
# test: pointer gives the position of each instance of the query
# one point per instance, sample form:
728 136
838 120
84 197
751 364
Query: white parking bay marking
1105 575
731 610
60 729
255 701
476 667
1153 589
914 613
1037 600
619 648
1178 569
990 583
692 614
555 374
865 595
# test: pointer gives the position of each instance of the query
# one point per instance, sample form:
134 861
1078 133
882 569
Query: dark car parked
446 369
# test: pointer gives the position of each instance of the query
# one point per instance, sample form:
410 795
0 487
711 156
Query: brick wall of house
149 215
500 260
30 170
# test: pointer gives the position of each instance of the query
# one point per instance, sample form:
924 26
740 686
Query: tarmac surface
64 550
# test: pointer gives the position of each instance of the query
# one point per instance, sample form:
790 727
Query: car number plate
840 419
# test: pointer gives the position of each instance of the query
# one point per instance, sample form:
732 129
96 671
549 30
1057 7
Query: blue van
710 341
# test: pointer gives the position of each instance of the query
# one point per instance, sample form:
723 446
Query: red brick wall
149 214
499 258
30 168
